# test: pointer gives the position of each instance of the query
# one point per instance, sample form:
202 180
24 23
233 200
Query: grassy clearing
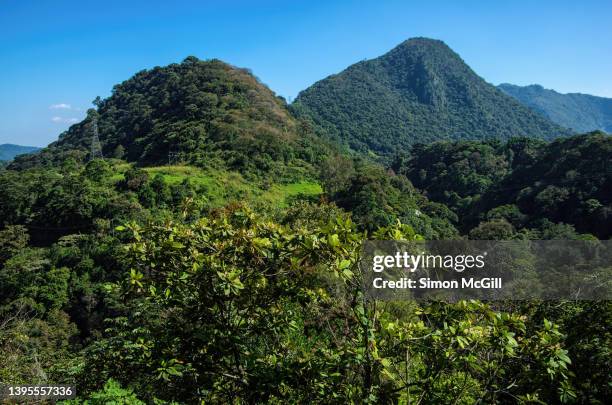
221 187
281 193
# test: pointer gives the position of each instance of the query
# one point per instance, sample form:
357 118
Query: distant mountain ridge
210 113
8 151
420 91
580 112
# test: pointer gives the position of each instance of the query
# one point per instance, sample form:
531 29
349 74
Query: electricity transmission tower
96 148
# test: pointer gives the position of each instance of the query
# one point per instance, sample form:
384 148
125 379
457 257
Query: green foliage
97 170
466 353
569 181
376 198
249 331
496 229
30 278
54 202
206 113
13 238
454 173
51 203
421 91
143 283
36 350
524 182
119 152
111 394
581 112
237 308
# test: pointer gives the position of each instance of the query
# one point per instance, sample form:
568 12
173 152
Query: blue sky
57 56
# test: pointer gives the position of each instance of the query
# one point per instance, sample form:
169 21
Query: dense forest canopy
232 275
421 91
206 113
523 181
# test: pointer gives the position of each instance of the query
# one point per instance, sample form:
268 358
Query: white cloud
62 120
60 106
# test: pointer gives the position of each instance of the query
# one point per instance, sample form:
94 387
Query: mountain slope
420 91
197 112
581 112
524 181
9 151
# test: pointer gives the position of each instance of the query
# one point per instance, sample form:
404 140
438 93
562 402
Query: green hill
581 112
526 182
213 266
421 91
206 113
9 151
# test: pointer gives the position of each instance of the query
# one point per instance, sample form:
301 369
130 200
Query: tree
119 152
13 239
336 173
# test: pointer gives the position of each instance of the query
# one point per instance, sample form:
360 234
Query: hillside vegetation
421 91
205 113
525 182
213 256
581 112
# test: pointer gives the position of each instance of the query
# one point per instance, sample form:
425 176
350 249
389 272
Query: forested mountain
233 275
9 151
222 120
527 183
581 112
198 112
420 91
